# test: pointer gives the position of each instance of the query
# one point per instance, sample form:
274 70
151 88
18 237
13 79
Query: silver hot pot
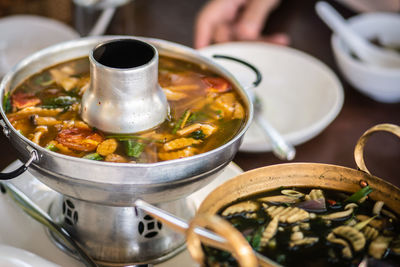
101 193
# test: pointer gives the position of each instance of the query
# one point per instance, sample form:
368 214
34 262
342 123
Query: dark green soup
314 227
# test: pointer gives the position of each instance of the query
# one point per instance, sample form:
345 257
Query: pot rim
159 44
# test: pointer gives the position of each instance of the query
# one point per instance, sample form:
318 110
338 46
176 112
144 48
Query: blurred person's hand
235 20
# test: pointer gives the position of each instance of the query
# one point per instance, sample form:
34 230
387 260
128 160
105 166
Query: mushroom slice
26 112
280 199
288 214
174 96
47 121
296 236
39 131
180 143
304 241
63 78
378 247
269 231
370 232
346 251
315 194
348 210
377 207
292 193
207 129
245 206
355 237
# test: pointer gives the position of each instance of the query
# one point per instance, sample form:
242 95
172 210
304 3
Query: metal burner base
119 236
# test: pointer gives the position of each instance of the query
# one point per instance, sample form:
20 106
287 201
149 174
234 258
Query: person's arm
231 20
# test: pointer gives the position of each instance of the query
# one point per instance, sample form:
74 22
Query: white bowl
379 83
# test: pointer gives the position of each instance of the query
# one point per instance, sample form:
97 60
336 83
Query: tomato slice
22 100
79 139
217 84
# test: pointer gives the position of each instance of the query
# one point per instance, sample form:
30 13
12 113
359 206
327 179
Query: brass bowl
301 175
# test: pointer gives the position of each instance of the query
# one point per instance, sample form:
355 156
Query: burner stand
119 236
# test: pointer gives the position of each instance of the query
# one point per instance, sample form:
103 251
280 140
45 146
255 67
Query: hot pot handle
236 243
253 68
359 149
21 169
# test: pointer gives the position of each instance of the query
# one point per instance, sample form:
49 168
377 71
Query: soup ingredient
107 147
247 206
288 214
348 210
343 234
270 231
360 194
133 148
205 113
93 156
379 246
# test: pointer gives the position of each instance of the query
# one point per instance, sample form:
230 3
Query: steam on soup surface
206 112
315 227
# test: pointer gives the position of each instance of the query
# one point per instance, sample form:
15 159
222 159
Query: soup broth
205 112
314 227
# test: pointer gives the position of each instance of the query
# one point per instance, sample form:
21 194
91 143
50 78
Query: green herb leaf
44 80
133 148
256 241
93 156
198 135
52 147
7 102
197 116
179 122
359 194
59 102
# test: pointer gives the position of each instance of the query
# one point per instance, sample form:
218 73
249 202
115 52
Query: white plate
22 35
16 257
300 94
19 230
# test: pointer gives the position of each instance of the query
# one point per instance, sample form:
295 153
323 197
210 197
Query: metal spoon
280 147
364 49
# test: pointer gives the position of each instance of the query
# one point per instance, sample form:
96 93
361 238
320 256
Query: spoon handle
282 149
181 225
338 25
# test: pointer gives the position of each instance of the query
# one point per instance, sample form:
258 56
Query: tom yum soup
205 112
315 227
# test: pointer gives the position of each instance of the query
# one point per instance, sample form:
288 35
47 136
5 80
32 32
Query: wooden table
174 19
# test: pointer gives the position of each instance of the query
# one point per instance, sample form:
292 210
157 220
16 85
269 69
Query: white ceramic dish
16 257
379 83
22 35
301 95
19 231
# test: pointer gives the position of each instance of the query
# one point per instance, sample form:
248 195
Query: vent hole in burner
69 212
149 227
124 54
